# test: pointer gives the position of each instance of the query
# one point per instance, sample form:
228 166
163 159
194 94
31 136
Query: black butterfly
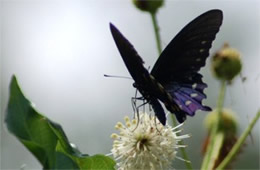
174 79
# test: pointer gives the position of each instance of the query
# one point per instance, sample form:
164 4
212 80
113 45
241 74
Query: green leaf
63 140
46 139
64 162
36 150
30 127
96 162
89 162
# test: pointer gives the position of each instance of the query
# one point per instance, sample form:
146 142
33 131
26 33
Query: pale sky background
60 49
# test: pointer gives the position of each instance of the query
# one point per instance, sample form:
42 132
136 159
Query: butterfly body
174 79
152 91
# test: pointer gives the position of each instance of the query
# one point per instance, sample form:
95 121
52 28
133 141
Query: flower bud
148 5
226 63
227 124
224 138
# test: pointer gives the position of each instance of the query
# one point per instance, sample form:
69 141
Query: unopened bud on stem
148 5
226 63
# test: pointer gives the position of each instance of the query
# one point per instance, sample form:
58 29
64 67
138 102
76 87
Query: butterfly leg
136 112
144 103
156 126
136 108
133 102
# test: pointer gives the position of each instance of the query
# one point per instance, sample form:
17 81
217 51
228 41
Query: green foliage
46 139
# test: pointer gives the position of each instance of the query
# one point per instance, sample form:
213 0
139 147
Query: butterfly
174 80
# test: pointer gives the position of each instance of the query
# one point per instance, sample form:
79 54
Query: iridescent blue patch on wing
188 97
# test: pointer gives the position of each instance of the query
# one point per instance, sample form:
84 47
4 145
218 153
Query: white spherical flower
145 145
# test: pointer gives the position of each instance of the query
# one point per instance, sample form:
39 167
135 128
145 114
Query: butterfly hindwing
188 98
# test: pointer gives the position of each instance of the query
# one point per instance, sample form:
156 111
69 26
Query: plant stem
218 141
159 48
209 157
221 97
156 31
239 143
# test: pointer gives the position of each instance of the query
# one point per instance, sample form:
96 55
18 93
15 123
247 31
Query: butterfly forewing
187 52
132 60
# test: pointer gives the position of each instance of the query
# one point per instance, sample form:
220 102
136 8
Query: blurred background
60 49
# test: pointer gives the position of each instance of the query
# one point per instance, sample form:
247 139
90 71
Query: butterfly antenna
124 77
